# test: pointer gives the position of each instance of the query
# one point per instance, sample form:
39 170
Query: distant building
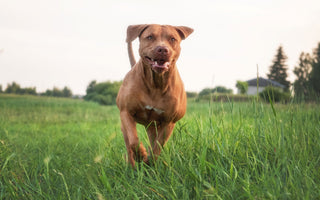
263 83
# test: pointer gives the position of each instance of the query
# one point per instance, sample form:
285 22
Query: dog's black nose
162 50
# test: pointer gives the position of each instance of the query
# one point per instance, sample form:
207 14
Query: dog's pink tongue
162 65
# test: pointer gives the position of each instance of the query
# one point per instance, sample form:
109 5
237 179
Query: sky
57 43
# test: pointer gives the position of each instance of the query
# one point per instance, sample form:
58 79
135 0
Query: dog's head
159 44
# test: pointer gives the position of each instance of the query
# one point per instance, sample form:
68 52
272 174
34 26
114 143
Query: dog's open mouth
158 65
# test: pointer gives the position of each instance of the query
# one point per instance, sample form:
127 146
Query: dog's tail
131 55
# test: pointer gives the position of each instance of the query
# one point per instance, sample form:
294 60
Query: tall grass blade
271 103
7 160
105 181
65 183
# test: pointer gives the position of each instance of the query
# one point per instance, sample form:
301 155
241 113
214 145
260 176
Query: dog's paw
139 153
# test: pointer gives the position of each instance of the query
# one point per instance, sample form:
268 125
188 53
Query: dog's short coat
152 92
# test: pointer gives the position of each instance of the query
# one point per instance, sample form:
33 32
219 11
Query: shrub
222 97
274 94
191 94
218 89
104 93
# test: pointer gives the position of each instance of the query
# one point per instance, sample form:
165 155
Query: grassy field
70 149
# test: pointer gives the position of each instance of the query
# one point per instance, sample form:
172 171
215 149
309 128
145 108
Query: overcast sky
47 43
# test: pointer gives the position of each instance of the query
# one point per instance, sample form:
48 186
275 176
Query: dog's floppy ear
135 31
184 31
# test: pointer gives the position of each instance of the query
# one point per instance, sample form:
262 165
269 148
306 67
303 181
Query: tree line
307 83
15 88
306 86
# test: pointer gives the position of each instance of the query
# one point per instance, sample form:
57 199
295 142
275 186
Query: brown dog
152 92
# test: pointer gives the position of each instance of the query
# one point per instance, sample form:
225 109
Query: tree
301 85
205 91
13 88
91 86
47 93
278 70
315 72
0 88
242 87
66 92
56 92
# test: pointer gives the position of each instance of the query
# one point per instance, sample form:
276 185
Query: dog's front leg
136 151
158 136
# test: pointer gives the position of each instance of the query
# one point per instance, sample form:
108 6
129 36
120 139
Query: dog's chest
155 107
150 109
152 113
148 113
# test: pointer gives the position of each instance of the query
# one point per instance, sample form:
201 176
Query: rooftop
264 83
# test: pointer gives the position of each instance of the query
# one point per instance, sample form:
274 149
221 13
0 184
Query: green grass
70 149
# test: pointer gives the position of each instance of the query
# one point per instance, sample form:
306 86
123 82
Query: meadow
56 148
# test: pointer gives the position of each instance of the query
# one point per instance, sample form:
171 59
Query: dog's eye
150 37
173 39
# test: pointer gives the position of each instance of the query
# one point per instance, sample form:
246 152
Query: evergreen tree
301 84
278 70
315 72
